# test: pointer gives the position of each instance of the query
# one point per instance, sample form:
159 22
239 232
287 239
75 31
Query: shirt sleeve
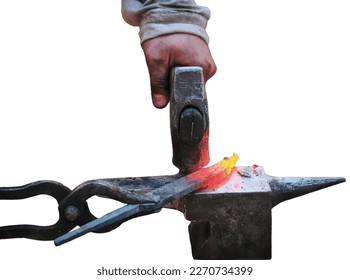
161 17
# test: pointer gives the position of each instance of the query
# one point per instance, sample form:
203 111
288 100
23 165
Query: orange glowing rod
215 175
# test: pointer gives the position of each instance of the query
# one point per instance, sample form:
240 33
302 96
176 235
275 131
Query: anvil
233 221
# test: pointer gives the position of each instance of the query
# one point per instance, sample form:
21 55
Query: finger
159 79
157 63
210 71
208 65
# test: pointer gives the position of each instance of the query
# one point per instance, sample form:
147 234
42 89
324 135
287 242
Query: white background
75 105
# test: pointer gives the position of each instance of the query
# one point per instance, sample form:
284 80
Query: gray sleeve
161 17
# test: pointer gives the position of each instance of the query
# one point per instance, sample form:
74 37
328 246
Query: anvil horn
284 188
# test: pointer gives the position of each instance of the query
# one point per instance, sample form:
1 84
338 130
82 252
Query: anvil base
240 230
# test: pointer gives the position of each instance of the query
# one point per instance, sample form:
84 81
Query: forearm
156 18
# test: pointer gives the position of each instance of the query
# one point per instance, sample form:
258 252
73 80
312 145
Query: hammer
189 118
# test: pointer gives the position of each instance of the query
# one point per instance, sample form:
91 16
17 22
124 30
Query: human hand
180 49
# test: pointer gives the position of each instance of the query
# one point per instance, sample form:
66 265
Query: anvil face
232 221
243 179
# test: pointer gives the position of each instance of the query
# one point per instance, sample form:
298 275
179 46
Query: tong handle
50 188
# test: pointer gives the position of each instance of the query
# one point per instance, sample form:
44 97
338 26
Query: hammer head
189 118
